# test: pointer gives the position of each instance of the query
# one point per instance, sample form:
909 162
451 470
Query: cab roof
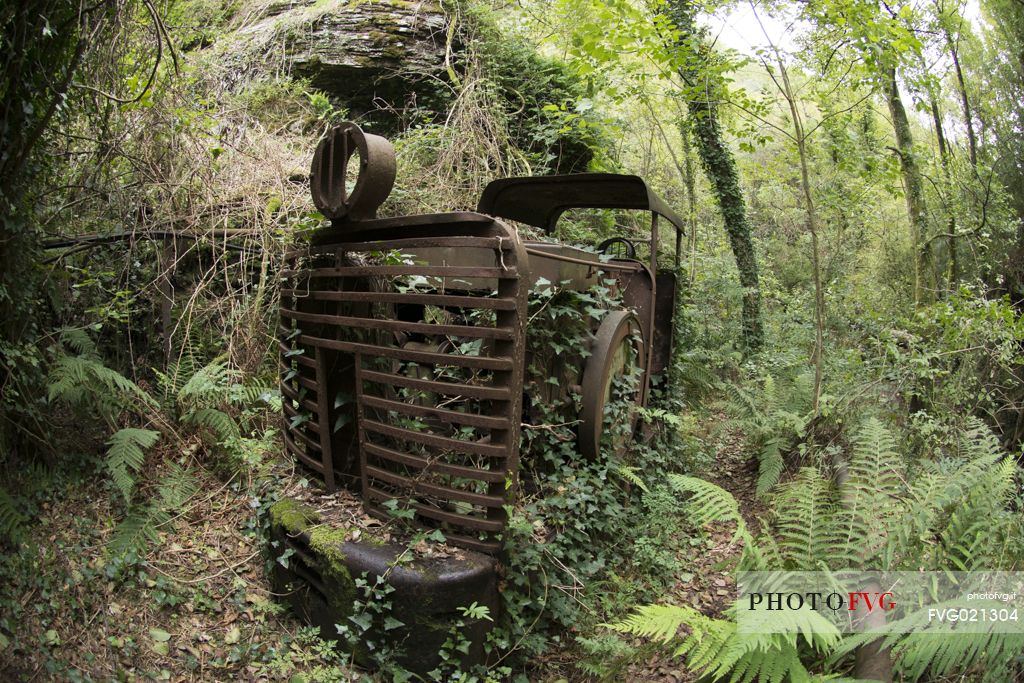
540 200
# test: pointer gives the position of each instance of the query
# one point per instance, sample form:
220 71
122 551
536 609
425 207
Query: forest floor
709 586
198 605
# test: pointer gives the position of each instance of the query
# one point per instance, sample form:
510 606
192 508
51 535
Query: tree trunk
912 185
720 168
811 216
954 274
972 142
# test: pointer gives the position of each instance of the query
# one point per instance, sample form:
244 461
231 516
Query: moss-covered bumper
317 576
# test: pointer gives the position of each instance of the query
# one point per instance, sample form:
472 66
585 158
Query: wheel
625 248
618 350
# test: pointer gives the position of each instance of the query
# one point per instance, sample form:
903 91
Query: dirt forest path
710 587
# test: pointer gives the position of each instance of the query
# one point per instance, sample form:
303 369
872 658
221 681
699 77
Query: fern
141 525
138 528
741 404
925 648
79 342
805 525
709 503
209 385
12 520
716 648
217 421
630 475
770 466
952 515
126 456
869 492
88 384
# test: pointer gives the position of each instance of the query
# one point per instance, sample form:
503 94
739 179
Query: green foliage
126 455
775 413
88 385
715 648
12 519
952 515
141 523
708 503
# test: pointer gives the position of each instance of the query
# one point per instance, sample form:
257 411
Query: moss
293 516
326 543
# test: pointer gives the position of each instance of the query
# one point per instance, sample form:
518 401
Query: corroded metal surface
403 340
617 351
427 367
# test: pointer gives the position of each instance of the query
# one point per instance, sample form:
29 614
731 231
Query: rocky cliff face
367 53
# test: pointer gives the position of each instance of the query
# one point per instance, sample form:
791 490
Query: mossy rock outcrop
364 53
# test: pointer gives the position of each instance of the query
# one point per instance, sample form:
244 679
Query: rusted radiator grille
402 363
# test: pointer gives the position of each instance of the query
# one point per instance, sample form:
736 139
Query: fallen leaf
159 635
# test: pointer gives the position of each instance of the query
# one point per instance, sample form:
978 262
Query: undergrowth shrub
950 513
959 358
572 537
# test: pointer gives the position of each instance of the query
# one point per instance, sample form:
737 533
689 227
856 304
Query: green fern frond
78 341
209 385
142 523
136 530
770 466
805 523
659 622
695 378
709 503
924 648
126 456
217 421
245 395
177 487
12 520
630 475
741 404
86 382
716 648
869 494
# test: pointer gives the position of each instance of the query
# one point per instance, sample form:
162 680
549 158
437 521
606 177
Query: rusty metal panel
437 369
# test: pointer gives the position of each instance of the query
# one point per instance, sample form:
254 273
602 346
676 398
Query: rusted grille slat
430 465
425 298
414 242
442 442
436 387
438 514
290 411
299 358
303 437
301 379
400 325
299 453
449 452
427 489
324 421
294 395
450 416
478 362
309 461
424 271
